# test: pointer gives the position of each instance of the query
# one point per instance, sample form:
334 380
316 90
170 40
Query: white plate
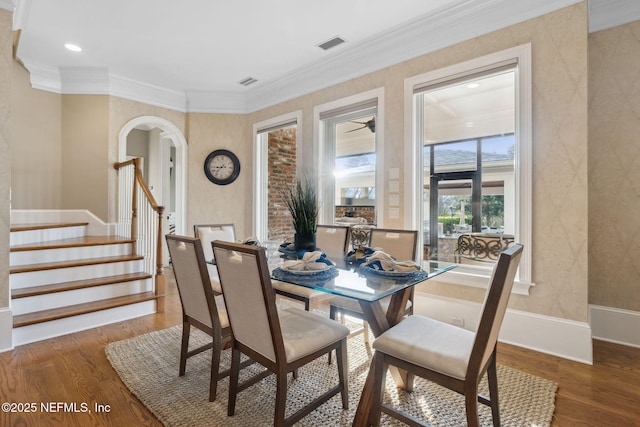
305 272
367 269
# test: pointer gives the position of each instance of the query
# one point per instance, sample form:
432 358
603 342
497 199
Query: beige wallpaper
614 167
6 20
559 50
220 204
85 147
36 148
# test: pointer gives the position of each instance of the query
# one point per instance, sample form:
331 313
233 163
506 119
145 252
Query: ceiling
193 58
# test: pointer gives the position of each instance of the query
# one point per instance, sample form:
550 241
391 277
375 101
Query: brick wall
282 172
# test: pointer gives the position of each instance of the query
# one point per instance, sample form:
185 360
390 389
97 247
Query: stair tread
78 309
44 226
72 263
77 284
72 242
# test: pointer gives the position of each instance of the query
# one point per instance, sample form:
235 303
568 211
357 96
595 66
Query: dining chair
448 355
280 340
207 233
200 307
400 244
333 240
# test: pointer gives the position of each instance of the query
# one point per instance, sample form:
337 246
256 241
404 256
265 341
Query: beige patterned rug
148 365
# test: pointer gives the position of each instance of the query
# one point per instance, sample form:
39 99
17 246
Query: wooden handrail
139 181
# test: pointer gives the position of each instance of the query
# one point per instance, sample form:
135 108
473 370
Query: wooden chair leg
409 383
215 366
471 405
333 312
379 376
492 377
281 399
184 348
365 332
343 366
233 380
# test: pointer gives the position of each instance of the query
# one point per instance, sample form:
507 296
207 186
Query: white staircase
63 281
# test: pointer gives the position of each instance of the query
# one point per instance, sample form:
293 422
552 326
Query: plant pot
304 242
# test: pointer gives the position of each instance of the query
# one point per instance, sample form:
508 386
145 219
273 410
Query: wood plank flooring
74 369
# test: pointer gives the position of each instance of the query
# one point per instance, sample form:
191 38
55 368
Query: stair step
72 243
75 263
79 309
77 284
29 227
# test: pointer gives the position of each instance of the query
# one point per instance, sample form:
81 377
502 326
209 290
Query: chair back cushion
249 297
495 304
400 244
333 240
192 278
207 233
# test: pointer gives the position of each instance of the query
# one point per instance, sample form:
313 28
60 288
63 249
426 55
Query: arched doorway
164 150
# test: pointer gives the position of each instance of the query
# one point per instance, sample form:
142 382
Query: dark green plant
302 201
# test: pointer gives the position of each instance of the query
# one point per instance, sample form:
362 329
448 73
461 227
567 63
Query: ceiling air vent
247 81
331 43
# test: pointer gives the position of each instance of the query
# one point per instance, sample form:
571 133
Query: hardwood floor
74 369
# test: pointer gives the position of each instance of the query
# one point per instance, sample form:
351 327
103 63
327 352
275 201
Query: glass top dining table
368 288
362 284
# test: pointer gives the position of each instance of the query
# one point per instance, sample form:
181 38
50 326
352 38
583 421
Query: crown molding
462 22
217 102
466 20
43 77
604 14
7 5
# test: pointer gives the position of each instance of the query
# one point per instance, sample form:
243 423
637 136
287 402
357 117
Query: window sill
478 277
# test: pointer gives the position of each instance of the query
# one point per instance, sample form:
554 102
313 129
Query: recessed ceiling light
469 124
473 85
73 47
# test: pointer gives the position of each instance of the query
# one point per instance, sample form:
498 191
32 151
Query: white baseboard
96 226
6 328
552 335
615 325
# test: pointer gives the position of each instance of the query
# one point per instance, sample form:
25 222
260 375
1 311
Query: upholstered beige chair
200 307
401 244
333 240
280 340
445 354
207 233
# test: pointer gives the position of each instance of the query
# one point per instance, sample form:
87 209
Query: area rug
148 366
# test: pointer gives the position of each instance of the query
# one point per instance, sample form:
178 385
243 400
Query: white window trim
260 168
327 217
524 154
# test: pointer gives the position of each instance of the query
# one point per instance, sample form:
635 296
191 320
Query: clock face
222 167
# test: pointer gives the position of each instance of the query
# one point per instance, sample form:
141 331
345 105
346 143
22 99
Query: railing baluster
140 217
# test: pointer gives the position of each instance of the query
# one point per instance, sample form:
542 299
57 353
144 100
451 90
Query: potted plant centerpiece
302 202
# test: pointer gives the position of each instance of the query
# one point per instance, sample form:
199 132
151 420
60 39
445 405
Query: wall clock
222 167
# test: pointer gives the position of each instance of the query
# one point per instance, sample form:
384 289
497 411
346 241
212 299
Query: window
348 136
472 127
276 161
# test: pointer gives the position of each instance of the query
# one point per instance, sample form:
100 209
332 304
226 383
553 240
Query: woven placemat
148 366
